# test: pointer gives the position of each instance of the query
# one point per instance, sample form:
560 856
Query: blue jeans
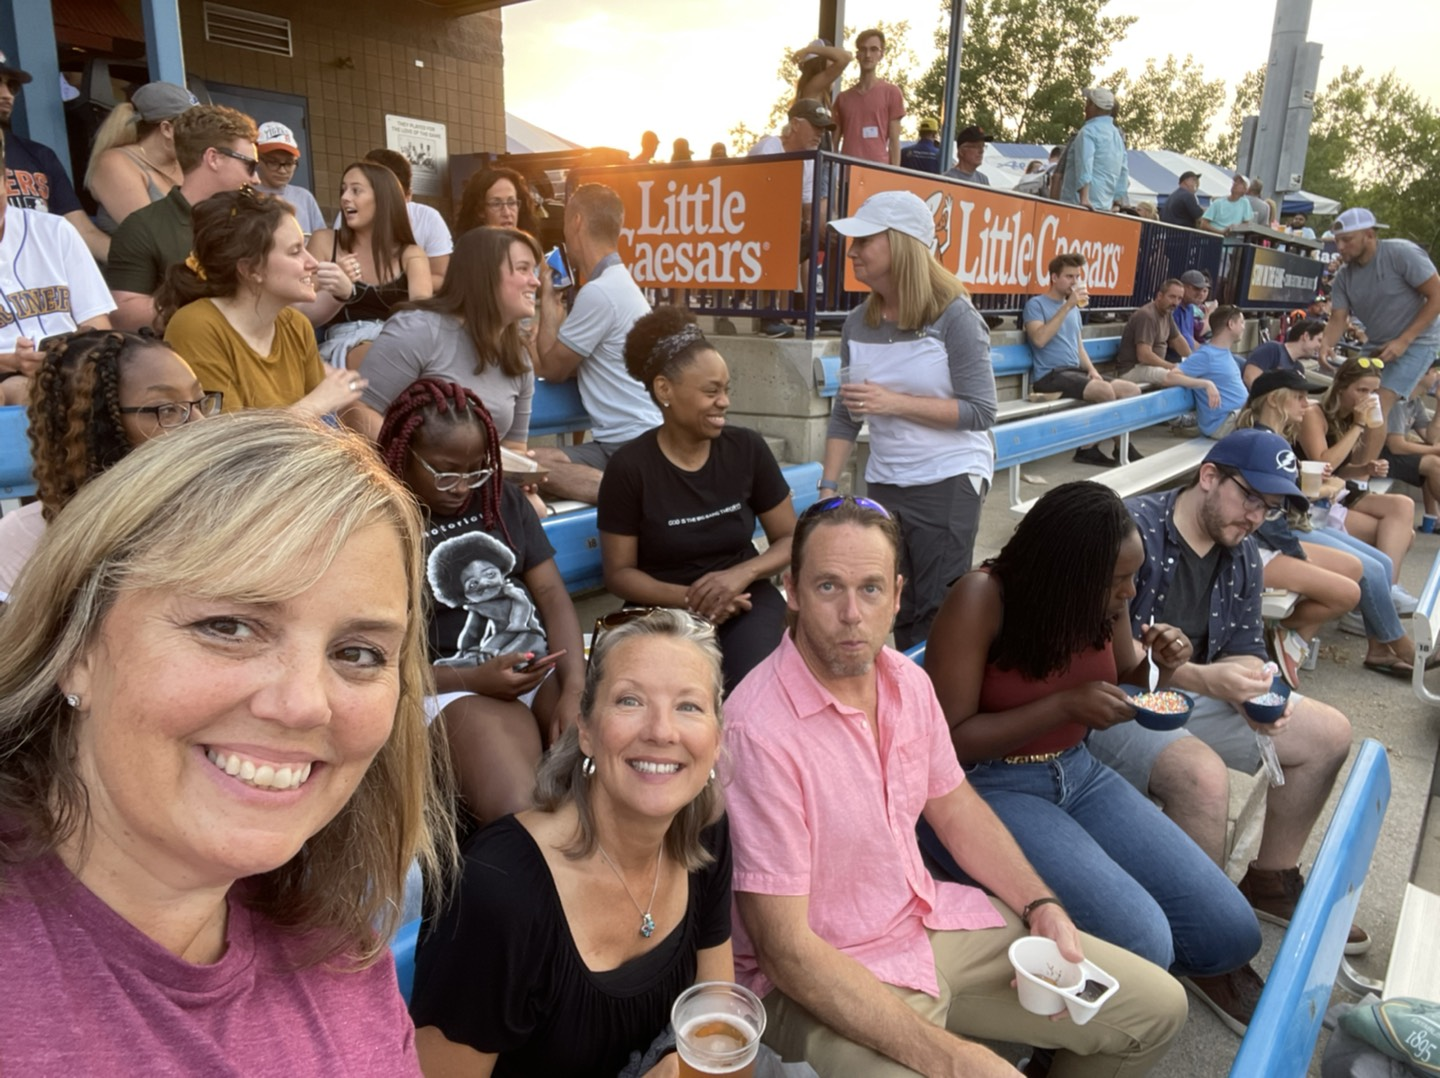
1124 871
1376 607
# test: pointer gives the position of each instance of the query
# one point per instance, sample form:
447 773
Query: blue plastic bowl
1268 713
1157 720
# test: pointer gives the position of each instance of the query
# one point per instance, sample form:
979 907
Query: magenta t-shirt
87 993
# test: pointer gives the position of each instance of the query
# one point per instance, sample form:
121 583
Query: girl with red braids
500 620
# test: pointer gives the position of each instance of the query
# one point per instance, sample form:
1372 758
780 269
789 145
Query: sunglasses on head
616 618
1368 364
829 505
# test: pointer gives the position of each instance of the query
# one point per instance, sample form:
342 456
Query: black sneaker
1094 455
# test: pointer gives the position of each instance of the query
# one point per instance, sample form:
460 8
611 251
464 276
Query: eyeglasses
503 203
1253 501
1365 363
829 505
250 163
177 413
281 162
455 480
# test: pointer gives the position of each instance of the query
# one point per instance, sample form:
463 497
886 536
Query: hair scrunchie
193 264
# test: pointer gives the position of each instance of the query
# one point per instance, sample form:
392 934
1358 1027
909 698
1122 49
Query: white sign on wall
423 144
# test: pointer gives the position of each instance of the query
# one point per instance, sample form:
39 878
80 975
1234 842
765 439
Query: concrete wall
461 85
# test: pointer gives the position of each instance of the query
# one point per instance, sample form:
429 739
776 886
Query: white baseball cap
899 210
1354 220
1100 97
276 136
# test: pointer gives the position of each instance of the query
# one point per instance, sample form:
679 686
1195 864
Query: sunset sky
601 73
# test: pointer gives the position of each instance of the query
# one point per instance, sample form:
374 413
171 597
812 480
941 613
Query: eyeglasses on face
829 505
280 162
177 413
251 165
1254 503
503 203
455 480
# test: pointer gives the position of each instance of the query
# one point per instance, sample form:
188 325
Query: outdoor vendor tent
1153 175
524 137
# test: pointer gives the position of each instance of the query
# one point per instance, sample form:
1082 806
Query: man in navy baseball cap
1202 574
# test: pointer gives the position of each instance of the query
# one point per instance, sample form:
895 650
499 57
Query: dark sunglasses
250 162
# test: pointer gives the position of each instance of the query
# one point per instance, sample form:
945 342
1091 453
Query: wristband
1044 900
828 484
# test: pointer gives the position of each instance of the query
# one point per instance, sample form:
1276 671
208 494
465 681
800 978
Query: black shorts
1067 381
1404 467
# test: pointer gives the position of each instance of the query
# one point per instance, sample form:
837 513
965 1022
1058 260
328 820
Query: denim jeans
1376 607
1123 870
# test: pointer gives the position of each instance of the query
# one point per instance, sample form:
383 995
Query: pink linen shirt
817 808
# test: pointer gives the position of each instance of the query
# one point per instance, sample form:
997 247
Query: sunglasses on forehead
829 505
605 622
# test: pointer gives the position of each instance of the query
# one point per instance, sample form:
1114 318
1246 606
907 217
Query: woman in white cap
132 163
918 355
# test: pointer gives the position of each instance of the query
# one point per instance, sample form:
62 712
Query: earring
712 774
72 699
664 404
587 766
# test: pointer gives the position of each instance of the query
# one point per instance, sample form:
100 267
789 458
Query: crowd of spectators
254 667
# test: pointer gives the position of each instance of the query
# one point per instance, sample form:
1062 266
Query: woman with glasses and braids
1026 655
97 395
1347 431
500 619
228 308
678 505
577 923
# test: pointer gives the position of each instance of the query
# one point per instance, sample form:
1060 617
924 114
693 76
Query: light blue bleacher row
556 411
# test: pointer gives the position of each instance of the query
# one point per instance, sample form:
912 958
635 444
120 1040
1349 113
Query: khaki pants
1127 1037
1144 375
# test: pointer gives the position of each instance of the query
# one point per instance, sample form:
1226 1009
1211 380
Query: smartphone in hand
540 661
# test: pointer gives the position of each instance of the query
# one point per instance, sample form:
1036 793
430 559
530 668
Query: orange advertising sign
733 225
999 242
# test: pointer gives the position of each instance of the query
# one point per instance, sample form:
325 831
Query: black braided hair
76 430
1056 572
448 403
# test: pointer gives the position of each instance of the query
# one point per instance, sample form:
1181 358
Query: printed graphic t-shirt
479 605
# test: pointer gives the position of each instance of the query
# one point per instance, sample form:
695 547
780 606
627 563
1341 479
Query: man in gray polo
589 344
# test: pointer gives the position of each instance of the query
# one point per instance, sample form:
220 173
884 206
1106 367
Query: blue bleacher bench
1286 1023
576 538
556 409
16 480
403 948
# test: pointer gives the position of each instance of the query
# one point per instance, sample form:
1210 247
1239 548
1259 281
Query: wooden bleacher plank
1413 969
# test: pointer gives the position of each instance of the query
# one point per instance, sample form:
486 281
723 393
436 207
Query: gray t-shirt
423 344
1384 293
620 409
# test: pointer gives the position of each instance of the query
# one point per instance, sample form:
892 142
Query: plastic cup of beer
1312 472
717 1029
1082 294
1376 416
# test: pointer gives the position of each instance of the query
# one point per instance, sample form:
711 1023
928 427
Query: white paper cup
1082 1010
1312 473
1041 974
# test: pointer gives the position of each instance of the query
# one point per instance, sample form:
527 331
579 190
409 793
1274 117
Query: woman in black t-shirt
678 505
576 924
500 619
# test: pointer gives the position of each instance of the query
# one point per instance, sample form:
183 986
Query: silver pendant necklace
647 923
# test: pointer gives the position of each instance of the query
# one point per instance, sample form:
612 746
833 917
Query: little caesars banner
998 242
709 226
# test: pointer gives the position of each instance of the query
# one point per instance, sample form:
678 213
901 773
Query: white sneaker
1353 624
1405 603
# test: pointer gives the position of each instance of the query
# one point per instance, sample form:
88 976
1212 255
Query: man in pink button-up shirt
867 965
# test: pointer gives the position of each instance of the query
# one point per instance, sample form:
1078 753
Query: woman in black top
678 505
375 251
578 923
